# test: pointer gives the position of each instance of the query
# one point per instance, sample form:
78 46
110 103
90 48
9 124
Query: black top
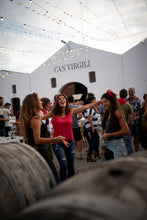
110 130
31 140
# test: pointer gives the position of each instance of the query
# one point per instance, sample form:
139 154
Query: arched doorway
15 105
73 89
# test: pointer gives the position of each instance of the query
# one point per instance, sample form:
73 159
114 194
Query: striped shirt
94 117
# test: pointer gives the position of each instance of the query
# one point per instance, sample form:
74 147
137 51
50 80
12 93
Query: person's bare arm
79 116
90 121
46 116
35 125
4 119
11 113
123 124
81 109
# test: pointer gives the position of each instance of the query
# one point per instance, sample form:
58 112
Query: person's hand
7 119
105 137
65 143
61 139
101 153
93 129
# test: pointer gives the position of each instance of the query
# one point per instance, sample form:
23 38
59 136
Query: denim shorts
117 146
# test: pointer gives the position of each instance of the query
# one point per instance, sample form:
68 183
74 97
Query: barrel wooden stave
24 177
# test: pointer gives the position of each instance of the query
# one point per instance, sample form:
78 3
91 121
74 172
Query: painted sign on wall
72 66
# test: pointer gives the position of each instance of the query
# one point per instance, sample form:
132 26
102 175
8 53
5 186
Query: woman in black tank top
34 131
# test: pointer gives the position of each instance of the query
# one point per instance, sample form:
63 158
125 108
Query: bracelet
55 139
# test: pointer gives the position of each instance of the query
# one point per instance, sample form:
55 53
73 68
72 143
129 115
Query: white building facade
74 69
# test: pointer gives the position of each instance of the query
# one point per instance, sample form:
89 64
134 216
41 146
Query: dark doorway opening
15 105
74 88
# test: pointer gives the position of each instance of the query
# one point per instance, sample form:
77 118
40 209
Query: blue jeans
65 156
128 143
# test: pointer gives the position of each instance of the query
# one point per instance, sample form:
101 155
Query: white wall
135 68
106 66
22 82
113 71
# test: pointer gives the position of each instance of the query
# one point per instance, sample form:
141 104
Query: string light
4 73
74 52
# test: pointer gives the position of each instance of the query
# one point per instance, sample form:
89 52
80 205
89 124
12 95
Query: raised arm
46 116
81 109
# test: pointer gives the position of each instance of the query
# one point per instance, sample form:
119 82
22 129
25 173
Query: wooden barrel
114 190
24 177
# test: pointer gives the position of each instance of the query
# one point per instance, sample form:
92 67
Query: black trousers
45 154
7 129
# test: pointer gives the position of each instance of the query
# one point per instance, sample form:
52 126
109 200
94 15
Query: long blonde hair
30 108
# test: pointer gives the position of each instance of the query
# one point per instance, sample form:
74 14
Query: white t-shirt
6 113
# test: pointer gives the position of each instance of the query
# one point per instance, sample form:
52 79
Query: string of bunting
120 14
25 31
47 36
61 52
109 32
23 51
60 22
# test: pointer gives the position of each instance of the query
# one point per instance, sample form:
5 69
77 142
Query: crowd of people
55 128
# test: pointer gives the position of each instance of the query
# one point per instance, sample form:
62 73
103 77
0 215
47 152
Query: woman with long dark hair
62 123
114 127
34 131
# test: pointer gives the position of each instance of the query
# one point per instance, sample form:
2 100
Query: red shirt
63 126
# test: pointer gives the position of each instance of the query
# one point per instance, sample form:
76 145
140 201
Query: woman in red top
62 123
